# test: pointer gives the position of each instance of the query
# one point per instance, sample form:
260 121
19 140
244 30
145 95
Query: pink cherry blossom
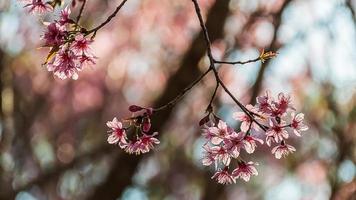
277 130
209 156
223 177
264 102
143 144
54 35
38 6
64 65
233 143
206 131
64 18
221 154
245 120
280 106
282 150
87 59
219 132
297 123
117 133
245 171
81 46
250 143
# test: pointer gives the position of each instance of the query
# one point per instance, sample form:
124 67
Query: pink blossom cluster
70 49
134 138
224 144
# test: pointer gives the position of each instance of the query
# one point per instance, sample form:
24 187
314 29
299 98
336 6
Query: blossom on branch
134 137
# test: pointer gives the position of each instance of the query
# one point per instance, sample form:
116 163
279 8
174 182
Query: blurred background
53 132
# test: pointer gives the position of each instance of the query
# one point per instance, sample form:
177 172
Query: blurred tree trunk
125 165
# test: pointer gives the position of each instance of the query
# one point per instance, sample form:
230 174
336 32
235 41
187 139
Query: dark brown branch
212 66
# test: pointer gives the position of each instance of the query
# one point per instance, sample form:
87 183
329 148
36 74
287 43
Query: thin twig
108 19
209 108
184 91
237 62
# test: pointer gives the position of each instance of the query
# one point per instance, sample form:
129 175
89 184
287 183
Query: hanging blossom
70 48
133 134
277 118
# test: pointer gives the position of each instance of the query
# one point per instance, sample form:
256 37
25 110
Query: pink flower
143 144
277 131
87 59
250 143
64 19
297 123
280 107
209 156
245 119
81 46
282 150
219 132
38 6
233 143
269 140
245 171
54 35
264 103
206 131
64 65
117 133
221 154
223 177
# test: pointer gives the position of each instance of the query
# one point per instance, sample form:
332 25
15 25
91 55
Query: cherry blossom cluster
69 47
132 135
224 144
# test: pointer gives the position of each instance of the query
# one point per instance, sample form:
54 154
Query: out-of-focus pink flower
38 6
143 144
245 171
117 133
277 130
297 123
54 35
250 143
64 65
81 45
64 19
282 150
223 177
219 132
